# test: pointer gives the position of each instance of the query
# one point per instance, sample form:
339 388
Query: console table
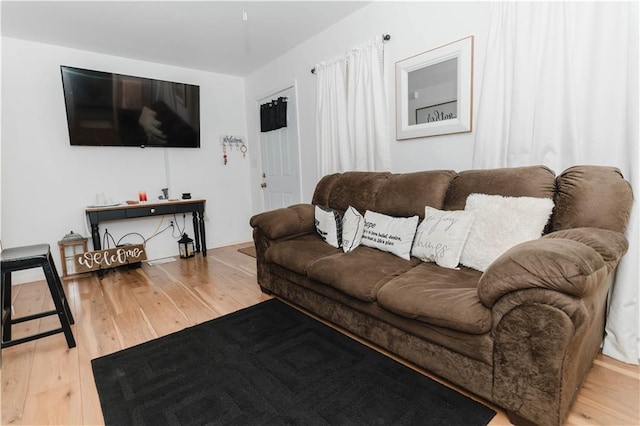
152 208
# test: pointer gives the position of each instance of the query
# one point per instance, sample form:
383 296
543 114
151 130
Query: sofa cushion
298 253
532 181
359 273
323 189
592 196
357 189
439 296
406 194
319 299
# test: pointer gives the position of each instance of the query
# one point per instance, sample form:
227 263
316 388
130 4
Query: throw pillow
501 223
390 234
329 225
441 236
352 229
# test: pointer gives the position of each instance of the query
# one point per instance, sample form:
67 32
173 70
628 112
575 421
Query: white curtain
351 115
367 108
332 130
560 88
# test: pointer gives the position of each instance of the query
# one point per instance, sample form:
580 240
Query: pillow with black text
390 234
441 236
329 225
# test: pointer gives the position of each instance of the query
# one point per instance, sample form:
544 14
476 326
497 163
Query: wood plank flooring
43 382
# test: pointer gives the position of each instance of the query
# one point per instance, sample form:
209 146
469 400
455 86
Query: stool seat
27 257
24 256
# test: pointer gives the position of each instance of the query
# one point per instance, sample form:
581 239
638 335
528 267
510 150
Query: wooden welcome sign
109 258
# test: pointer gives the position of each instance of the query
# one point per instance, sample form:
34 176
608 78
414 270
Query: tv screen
106 109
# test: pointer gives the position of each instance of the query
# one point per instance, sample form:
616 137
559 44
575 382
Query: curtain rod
385 38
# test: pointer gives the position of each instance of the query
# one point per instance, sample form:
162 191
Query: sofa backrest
592 196
407 194
404 194
584 196
357 189
531 181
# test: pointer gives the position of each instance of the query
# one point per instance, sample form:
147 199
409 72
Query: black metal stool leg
6 305
59 300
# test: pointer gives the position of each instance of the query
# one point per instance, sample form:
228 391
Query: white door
280 165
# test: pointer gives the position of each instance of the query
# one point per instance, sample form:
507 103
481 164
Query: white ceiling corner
204 35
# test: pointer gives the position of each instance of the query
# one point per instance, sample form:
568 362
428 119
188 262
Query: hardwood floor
43 382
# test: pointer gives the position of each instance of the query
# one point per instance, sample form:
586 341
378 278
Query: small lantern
71 245
186 246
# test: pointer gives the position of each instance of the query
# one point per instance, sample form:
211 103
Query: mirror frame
461 49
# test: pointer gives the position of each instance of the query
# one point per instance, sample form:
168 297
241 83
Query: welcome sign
109 258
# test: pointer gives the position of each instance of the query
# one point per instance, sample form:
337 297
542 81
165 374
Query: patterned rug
270 365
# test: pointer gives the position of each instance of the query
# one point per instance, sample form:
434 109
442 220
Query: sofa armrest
289 221
548 304
611 245
559 264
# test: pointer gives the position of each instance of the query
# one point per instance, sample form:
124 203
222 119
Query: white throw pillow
352 229
329 225
390 234
441 236
501 223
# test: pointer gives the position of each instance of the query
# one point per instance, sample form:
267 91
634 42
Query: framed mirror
434 91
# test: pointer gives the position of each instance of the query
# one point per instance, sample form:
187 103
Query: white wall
46 183
414 27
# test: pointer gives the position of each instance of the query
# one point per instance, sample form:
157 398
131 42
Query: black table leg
203 235
95 235
195 231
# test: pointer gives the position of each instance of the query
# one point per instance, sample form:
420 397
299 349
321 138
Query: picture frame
441 80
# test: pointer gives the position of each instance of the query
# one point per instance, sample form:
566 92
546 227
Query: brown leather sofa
523 334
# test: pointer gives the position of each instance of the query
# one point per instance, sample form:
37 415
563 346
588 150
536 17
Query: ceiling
204 35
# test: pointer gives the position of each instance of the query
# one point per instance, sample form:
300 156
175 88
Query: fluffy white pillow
441 236
329 225
501 223
390 234
352 229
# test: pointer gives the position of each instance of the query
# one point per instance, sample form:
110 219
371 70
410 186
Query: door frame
270 94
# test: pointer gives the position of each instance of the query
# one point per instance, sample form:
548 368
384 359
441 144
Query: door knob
263 185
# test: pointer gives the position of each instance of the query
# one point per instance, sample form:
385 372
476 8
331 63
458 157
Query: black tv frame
109 109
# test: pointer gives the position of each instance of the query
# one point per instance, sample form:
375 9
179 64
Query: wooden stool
27 257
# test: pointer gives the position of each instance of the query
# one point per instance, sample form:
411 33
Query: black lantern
185 244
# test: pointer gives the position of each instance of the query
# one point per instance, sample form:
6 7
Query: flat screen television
106 109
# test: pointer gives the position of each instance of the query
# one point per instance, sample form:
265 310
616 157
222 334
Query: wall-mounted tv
106 109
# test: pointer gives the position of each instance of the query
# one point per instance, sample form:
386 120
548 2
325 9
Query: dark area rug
249 251
270 365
